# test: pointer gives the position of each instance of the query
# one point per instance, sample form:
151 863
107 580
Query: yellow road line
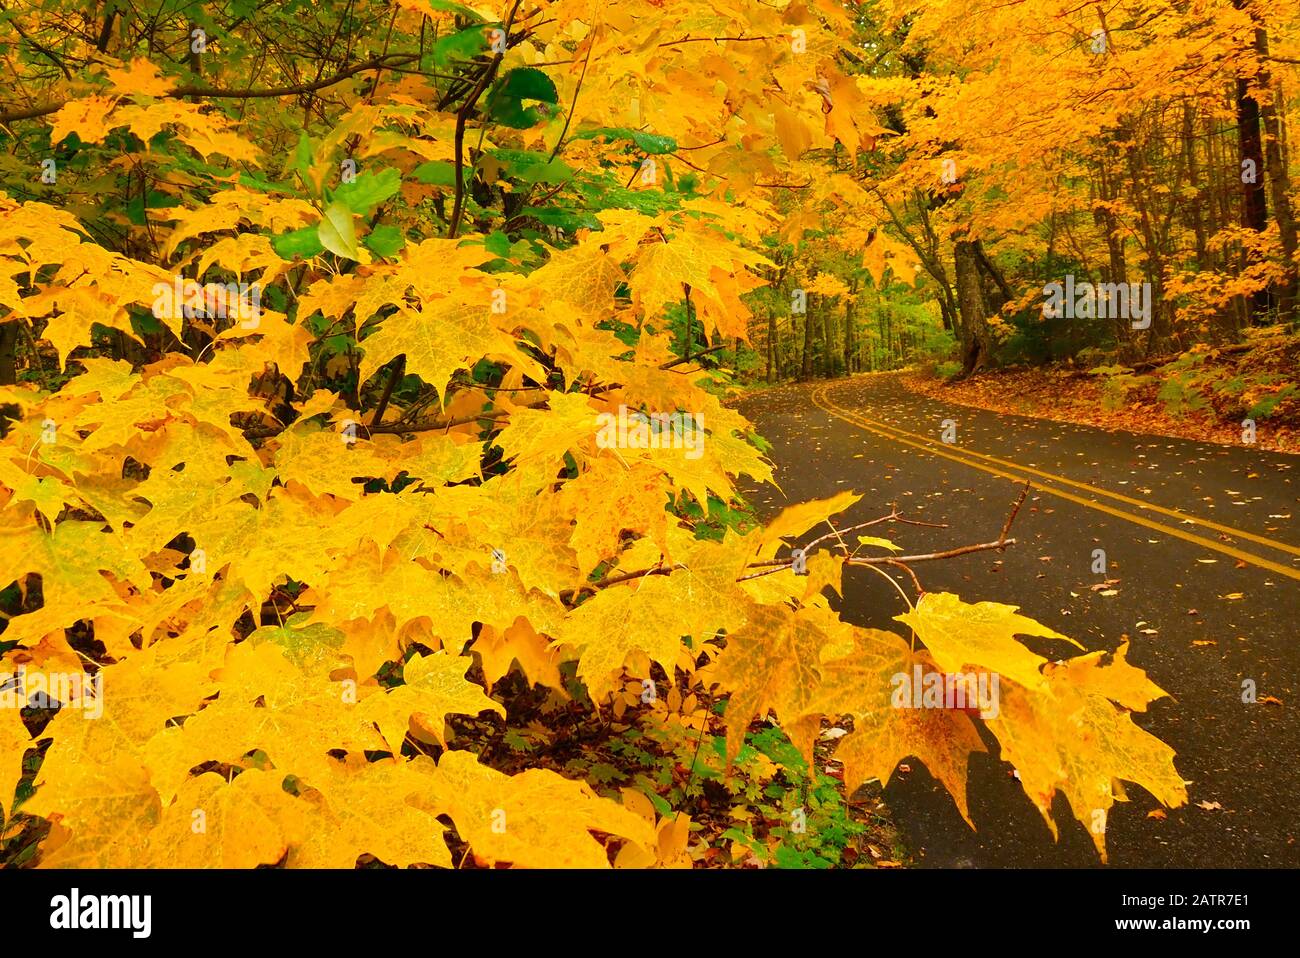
928 445
1145 506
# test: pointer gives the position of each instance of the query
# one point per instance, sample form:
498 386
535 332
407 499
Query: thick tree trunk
976 341
1250 150
1250 169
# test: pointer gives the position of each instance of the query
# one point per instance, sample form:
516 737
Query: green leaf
304 243
552 173
436 173
337 232
497 243
446 6
506 102
651 143
465 45
530 166
527 83
368 190
384 240
251 182
302 154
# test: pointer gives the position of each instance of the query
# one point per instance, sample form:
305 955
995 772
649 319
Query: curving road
1202 574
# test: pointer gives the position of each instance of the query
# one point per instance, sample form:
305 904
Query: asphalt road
1201 546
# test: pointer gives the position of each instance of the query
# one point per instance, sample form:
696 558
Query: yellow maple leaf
15 739
981 636
215 823
434 686
371 808
89 117
139 76
536 819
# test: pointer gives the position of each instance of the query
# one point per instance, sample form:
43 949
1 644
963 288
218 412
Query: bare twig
768 567
1015 509
1000 544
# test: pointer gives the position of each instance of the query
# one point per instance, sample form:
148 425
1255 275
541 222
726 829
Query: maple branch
398 371
767 567
569 594
462 115
1015 510
1000 544
568 117
673 43
770 566
38 47
894 516
920 589
212 92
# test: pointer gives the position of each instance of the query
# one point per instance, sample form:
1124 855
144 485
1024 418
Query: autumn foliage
290 536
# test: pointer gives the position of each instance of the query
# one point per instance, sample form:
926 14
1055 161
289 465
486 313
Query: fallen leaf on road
1157 813
1270 700
1210 806
1233 595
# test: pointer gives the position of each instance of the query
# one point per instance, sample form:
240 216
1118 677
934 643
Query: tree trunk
805 370
1116 270
1250 170
1279 183
828 347
848 331
8 353
976 340
771 343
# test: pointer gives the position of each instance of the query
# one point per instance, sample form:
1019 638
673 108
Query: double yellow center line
1055 485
